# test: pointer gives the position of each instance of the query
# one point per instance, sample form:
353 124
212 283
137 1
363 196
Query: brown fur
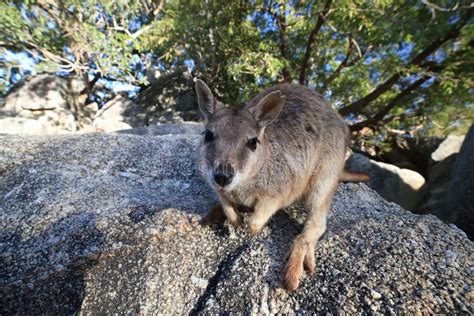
300 156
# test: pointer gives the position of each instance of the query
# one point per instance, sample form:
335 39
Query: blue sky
25 64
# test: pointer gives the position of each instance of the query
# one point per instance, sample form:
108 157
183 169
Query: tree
88 38
405 65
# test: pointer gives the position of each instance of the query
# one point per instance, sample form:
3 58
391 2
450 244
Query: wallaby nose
223 174
222 179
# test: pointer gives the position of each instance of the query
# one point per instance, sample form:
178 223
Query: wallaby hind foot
300 250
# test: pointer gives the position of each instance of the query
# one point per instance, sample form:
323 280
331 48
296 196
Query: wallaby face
232 146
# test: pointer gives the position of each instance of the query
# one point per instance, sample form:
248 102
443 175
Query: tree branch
418 60
63 63
46 7
347 62
311 39
385 110
433 69
94 80
212 41
152 16
280 20
16 46
433 7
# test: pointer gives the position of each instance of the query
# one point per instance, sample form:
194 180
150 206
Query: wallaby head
233 143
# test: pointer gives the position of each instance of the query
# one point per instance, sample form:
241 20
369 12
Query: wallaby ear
206 101
268 109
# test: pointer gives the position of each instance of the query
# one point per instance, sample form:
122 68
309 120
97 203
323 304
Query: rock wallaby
286 144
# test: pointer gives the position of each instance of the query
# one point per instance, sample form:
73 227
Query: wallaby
286 144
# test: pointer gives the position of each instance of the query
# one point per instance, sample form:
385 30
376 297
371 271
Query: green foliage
95 34
240 47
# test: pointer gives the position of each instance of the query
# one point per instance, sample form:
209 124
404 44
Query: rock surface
450 146
108 223
21 125
449 190
169 99
436 189
395 184
44 92
115 115
460 204
166 129
53 102
51 105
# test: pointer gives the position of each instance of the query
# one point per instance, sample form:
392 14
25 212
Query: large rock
108 223
166 129
435 191
21 125
117 114
169 99
44 92
450 146
58 104
55 103
405 150
460 206
395 184
448 192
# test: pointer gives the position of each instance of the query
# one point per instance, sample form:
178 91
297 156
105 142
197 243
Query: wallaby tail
353 176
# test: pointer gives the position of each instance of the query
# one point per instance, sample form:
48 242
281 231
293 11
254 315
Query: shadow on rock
44 274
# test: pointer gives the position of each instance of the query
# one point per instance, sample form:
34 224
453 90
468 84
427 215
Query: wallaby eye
208 136
252 143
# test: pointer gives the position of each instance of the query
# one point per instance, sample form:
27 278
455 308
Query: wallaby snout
223 174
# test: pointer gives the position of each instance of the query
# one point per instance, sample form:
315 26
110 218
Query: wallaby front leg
263 211
235 219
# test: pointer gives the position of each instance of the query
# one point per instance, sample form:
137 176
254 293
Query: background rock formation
448 192
109 223
169 99
461 194
45 104
395 184
50 105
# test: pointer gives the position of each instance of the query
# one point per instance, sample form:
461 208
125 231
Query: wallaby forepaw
255 229
237 221
215 215
256 224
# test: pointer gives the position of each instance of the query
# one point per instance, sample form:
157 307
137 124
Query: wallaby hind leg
301 254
